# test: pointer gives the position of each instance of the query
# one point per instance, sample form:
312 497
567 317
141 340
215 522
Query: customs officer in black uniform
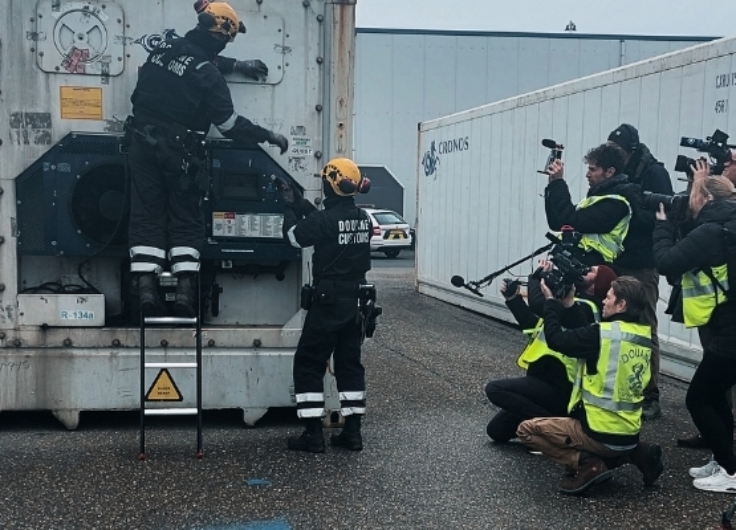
179 90
340 235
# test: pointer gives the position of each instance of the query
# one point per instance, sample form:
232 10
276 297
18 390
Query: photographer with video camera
604 215
603 429
704 259
545 389
637 260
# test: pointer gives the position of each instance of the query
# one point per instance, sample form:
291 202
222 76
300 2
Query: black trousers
709 408
165 211
330 328
521 398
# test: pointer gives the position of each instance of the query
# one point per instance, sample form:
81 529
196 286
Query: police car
391 234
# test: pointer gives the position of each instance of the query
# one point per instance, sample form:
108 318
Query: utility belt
189 145
328 291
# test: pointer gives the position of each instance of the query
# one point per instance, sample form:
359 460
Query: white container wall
481 207
404 77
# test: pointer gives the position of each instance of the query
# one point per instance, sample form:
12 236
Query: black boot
186 296
311 440
150 300
350 437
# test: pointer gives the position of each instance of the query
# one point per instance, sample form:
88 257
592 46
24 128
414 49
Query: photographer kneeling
605 407
545 390
701 258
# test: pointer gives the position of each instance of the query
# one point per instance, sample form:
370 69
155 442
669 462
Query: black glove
254 69
510 288
280 141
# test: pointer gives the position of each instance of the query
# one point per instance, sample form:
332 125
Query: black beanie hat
625 136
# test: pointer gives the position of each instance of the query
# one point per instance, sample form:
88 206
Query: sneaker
705 471
720 482
651 410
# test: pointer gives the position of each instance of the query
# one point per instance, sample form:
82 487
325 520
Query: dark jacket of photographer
581 343
547 368
703 246
599 218
650 175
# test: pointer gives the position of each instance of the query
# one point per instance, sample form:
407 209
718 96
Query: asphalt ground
427 462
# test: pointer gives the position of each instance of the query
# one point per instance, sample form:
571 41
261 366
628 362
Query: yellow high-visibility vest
613 396
537 347
700 295
609 245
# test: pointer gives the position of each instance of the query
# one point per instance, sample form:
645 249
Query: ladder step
171 365
169 321
171 412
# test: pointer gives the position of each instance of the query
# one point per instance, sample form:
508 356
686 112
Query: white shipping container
67 70
479 196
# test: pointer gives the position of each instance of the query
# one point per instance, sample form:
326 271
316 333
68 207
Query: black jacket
548 369
703 246
340 235
581 343
180 84
599 218
650 175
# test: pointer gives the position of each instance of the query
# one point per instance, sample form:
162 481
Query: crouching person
605 408
545 389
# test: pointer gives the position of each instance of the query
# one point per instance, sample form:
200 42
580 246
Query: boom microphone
459 281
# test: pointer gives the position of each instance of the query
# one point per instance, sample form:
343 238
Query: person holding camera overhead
637 259
702 259
603 429
604 215
545 390
340 235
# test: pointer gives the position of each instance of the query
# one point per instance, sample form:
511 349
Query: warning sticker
164 388
232 224
81 103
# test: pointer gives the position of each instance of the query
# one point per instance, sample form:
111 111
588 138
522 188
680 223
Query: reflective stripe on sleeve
292 237
228 124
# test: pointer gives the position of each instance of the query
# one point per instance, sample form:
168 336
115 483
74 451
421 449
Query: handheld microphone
549 144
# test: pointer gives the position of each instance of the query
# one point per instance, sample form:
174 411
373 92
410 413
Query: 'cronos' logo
431 158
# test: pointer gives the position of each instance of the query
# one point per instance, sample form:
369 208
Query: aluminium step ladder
196 324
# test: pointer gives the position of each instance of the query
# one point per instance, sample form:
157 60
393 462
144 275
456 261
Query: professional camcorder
716 147
567 270
555 153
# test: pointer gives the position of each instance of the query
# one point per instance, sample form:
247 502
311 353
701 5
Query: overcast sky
640 17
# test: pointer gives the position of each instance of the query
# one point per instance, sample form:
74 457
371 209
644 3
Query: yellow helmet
343 176
220 17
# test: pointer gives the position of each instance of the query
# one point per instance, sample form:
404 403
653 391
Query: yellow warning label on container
163 388
81 103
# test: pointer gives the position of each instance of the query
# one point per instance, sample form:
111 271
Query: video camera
567 270
554 154
716 148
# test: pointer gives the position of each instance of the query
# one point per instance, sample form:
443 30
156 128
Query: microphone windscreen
551 144
457 281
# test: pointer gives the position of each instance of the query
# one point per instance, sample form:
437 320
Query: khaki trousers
562 440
